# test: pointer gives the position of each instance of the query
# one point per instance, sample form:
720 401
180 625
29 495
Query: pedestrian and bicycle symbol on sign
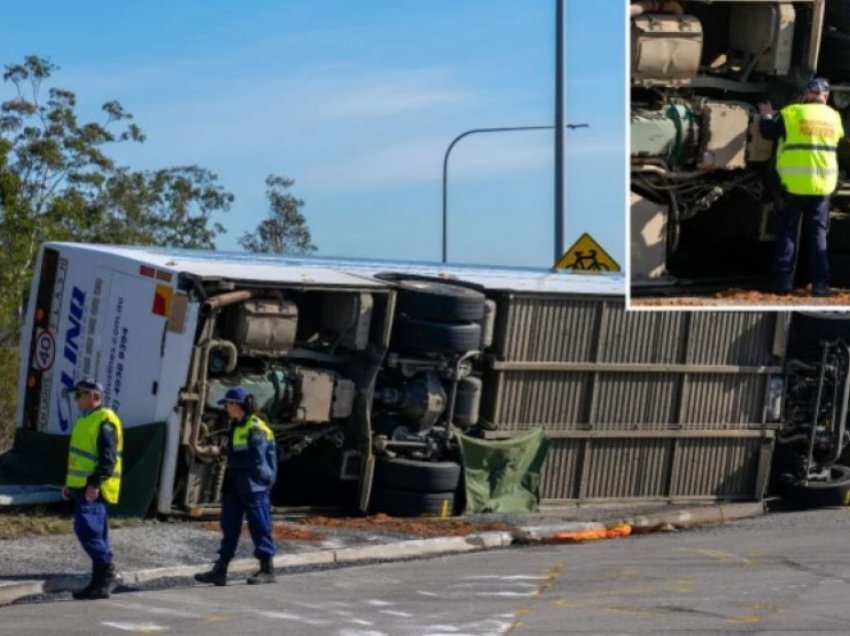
586 255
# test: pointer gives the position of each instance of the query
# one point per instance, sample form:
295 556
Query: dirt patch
280 530
420 527
737 296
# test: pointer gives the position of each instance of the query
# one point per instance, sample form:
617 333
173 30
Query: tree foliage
58 182
284 230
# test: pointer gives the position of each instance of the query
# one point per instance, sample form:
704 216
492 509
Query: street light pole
559 129
446 169
446 166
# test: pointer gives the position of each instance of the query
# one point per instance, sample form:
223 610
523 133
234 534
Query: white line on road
376 602
480 584
396 613
292 617
512 577
135 627
166 611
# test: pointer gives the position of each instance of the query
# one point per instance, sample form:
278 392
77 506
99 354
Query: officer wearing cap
807 163
93 479
248 479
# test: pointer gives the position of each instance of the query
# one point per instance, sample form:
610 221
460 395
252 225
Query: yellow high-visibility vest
806 158
83 456
241 432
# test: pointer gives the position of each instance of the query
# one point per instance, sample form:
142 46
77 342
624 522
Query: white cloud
391 94
421 161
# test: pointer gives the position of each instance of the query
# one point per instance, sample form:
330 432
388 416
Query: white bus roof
350 272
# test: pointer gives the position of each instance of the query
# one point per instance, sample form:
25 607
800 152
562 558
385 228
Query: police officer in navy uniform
248 479
93 479
807 164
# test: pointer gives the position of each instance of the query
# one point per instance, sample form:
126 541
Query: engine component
724 138
758 148
666 49
273 391
648 237
488 323
639 7
265 326
761 34
292 444
222 356
670 133
315 396
350 315
467 402
420 403
343 399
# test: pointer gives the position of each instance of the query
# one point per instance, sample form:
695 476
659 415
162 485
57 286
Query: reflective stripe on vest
83 456
241 432
806 158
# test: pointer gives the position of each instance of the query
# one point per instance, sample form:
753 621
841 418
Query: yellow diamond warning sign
586 255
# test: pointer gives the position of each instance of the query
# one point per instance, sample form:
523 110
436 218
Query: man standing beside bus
93 480
807 163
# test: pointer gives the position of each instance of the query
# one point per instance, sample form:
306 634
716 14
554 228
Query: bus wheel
410 474
833 491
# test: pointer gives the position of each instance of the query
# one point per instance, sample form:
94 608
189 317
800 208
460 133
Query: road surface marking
396 613
165 611
216 617
513 577
748 620
143 628
376 602
724 557
288 616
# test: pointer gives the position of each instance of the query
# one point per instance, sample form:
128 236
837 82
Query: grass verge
45 520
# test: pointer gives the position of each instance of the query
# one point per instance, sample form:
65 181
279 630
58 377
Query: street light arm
446 164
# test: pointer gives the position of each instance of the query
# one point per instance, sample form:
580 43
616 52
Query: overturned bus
370 372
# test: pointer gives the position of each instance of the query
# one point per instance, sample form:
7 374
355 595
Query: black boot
100 586
83 594
105 582
265 574
216 576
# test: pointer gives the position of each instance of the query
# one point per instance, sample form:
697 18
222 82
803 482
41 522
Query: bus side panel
132 345
179 340
64 326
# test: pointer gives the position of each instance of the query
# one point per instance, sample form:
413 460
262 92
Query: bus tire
439 337
421 476
834 491
437 300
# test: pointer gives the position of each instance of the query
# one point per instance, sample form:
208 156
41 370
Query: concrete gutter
12 591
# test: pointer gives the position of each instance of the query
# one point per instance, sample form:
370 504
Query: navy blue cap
237 395
818 85
89 385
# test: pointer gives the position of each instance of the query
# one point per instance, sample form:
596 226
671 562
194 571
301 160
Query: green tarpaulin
503 475
39 458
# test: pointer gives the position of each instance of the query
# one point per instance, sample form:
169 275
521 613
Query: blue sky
357 102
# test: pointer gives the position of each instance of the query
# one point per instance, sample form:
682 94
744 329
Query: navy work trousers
257 508
91 527
815 210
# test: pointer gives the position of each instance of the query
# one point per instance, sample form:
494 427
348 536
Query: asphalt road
781 574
